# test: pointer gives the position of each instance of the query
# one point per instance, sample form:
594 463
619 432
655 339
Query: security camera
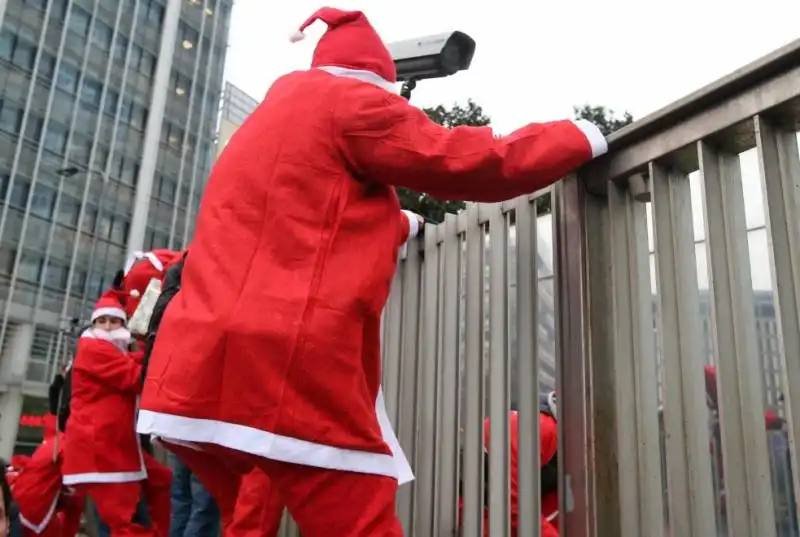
434 56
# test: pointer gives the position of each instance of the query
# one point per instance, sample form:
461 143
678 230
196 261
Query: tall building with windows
108 110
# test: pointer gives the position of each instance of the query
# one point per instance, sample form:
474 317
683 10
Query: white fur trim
594 136
551 516
552 403
39 528
357 74
413 224
297 37
109 312
113 336
105 477
185 431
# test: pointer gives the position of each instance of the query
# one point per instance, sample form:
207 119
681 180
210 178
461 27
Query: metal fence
623 313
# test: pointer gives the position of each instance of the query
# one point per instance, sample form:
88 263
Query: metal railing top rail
767 84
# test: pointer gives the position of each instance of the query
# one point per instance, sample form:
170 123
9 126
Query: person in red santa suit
295 247
102 455
46 507
548 464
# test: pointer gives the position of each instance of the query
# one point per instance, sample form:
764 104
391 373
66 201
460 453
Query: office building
236 107
108 111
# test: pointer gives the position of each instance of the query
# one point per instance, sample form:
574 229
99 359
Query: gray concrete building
108 112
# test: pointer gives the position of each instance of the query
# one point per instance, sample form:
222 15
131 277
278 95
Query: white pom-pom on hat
134 293
296 37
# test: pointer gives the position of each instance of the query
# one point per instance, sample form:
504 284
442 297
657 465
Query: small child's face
107 323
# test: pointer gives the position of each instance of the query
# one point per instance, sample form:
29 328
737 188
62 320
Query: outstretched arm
101 360
385 139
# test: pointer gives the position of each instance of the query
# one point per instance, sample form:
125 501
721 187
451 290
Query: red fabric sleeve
386 139
106 363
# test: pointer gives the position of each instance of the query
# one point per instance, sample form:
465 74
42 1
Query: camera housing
434 56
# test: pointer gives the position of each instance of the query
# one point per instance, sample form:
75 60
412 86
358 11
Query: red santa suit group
269 356
103 457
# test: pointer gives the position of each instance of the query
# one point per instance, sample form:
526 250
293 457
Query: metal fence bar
528 493
392 338
426 456
780 169
634 365
691 497
745 461
447 396
472 476
407 398
574 389
499 442
600 356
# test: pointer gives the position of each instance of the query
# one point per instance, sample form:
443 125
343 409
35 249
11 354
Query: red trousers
116 502
323 503
258 509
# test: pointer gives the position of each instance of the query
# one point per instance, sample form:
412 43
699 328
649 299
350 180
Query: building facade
108 111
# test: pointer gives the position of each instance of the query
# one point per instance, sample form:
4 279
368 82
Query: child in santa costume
102 455
269 356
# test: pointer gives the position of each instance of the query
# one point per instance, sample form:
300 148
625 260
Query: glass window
30 267
112 98
129 170
175 137
56 138
33 130
57 273
69 211
104 226
102 35
189 35
147 64
168 188
10 118
6 44
37 3
120 47
44 201
125 112
138 116
19 193
24 55
79 21
119 230
67 78
78 281
4 178
155 14
7 260
58 10
136 56
92 89
47 65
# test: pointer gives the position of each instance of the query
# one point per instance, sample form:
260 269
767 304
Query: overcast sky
535 60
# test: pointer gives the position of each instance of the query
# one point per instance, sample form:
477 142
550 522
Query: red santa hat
109 305
350 43
140 269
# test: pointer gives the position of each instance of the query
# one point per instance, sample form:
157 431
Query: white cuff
594 136
413 224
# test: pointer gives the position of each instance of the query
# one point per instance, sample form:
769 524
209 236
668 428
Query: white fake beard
120 337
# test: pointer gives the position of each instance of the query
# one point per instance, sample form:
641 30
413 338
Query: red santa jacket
548 446
37 486
102 446
258 508
296 243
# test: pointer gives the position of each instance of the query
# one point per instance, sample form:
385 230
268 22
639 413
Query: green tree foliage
605 118
423 204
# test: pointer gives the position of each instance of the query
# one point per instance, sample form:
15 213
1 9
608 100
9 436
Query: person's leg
71 507
117 503
181 496
102 528
157 504
219 474
330 502
205 519
259 508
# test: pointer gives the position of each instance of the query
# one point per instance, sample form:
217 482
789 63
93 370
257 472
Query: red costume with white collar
296 244
102 454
